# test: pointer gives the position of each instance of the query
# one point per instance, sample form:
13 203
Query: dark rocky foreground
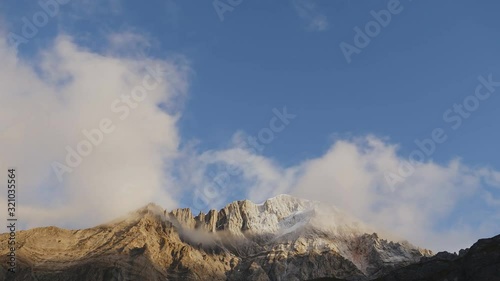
479 263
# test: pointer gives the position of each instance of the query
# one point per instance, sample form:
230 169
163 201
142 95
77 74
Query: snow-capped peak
295 227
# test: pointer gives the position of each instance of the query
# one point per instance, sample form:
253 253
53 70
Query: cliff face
479 263
285 238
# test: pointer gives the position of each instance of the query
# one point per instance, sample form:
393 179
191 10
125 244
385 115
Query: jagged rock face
479 263
296 228
285 238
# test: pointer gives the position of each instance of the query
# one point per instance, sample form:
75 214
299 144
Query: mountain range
284 238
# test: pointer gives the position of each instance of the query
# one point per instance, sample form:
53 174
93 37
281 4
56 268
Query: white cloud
350 175
308 12
48 102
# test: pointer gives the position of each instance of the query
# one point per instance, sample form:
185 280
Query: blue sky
265 55
262 56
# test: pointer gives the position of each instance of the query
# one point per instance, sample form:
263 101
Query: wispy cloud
311 15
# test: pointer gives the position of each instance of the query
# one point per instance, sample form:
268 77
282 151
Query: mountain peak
275 240
286 198
151 209
283 197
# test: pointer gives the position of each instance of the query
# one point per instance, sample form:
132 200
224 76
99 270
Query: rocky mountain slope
479 263
284 238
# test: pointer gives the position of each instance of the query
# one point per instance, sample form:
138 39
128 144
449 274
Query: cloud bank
52 103
425 208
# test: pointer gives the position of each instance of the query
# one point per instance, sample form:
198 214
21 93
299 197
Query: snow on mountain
283 238
299 227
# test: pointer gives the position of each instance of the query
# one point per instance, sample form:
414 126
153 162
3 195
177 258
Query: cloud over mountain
91 134
95 135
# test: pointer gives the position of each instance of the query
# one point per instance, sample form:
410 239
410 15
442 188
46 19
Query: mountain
481 262
284 238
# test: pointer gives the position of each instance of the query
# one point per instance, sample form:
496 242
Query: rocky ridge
481 262
284 238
